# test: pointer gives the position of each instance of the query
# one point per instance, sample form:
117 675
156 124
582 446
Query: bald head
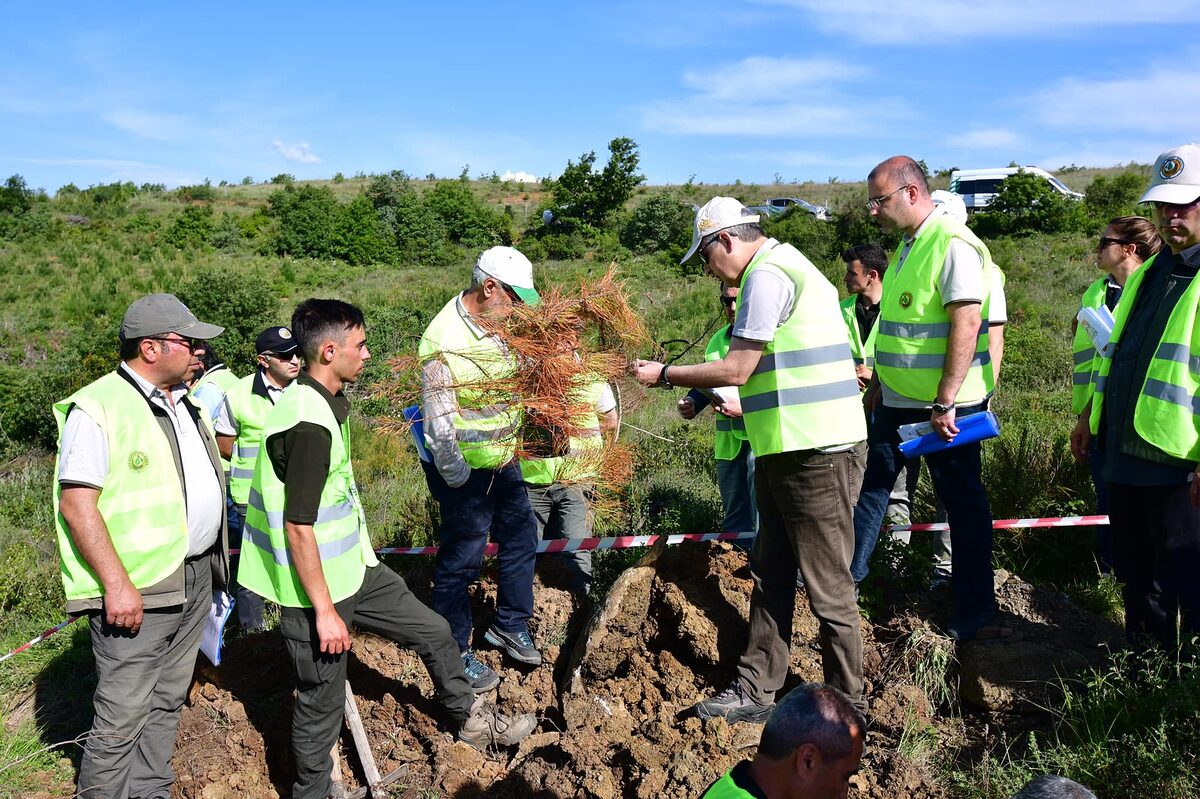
900 170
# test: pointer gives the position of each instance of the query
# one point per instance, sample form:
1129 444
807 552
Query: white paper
214 626
1098 324
911 432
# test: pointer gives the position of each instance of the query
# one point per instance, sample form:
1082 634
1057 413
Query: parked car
781 204
978 187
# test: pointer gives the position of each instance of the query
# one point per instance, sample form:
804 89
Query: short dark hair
211 357
1051 786
904 171
871 256
812 713
316 321
129 348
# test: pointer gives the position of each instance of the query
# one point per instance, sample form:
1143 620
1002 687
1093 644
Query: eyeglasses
291 356
191 343
705 244
512 295
875 202
1162 206
1105 241
728 301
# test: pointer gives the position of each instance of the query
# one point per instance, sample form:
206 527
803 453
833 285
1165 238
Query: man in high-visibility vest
140 514
811 747
472 429
239 426
731 447
1144 410
931 365
790 359
305 546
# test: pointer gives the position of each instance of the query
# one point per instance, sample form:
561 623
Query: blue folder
972 428
412 415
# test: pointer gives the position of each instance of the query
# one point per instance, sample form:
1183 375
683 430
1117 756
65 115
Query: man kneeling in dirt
810 748
305 547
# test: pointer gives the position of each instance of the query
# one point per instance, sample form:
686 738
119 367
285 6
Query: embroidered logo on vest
905 299
138 461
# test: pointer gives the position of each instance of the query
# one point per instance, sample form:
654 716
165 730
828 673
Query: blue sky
176 93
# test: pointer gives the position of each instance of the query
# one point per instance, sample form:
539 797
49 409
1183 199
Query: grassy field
62 297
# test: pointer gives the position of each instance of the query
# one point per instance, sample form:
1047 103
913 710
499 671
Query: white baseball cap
1176 178
714 216
951 203
512 269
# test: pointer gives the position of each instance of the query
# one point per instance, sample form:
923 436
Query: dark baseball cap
275 339
156 314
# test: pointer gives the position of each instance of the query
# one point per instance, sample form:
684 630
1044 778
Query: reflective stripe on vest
862 351
1084 354
224 380
142 500
485 425
804 393
1167 413
250 411
730 431
914 328
340 531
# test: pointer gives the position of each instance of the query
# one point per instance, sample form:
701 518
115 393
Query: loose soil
614 693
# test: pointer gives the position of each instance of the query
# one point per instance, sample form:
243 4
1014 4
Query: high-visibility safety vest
726 788
1166 411
487 421
803 394
573 465
340 529
862 351
731 430
142 501
250 410
913 326
224 380
1084 352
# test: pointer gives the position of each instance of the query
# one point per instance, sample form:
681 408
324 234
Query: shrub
15 196
242 303
1107 198
1026 204
227 234
660 223
586 197
284 179
306 217
468 221
203 192
360 236
191 228
816 239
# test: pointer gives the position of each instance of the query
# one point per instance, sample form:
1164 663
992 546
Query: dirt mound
614 694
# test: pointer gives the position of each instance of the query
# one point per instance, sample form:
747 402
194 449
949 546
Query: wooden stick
359 734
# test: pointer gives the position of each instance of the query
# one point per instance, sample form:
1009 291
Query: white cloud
1163 99
298 152
985 139
150 124
919 22
764 78
120 170
519 177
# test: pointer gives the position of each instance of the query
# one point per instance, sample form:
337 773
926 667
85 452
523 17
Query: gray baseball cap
156 314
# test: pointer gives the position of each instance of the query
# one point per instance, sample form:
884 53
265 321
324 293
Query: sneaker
734 705
480 676
519 646
487 726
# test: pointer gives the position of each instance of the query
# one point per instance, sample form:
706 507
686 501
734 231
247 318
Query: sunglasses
702 250
728 301
1105 241
291 356
192 344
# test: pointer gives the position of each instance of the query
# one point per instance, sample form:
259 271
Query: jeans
735 479
805 502
957 479
491 501
1156 548
382 605
142 681
561 511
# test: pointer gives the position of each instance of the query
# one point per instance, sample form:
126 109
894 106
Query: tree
1026 203
306 218
1106 198
588 198
15 197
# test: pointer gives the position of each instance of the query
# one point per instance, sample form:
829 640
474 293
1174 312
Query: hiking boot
480 676
734 705
519 646
488 727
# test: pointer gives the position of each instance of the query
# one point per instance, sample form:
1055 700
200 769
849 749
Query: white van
977 187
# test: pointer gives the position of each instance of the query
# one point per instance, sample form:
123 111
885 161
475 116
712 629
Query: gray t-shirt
767 299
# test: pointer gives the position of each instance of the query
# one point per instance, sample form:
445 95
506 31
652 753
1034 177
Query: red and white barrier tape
631 541
42 637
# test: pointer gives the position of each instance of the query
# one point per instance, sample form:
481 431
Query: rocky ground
613 695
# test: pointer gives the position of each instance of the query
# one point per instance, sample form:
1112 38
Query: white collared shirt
83 459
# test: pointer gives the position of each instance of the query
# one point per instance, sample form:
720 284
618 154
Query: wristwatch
942 410
662 379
